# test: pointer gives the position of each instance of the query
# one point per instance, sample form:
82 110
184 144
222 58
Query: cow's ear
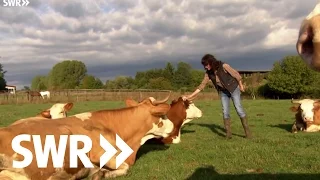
294 108
160 109
131 102
46 114
68 106
316 105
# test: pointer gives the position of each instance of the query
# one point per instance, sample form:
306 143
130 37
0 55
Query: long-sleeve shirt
228 69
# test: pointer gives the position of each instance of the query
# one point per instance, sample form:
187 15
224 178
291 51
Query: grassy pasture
273 153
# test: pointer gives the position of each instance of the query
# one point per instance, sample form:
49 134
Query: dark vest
228 82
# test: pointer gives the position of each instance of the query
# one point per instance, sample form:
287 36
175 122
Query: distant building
246 73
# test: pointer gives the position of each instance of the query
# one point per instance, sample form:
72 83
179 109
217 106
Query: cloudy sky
120 37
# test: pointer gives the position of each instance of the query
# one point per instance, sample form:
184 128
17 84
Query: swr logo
15 3
42 156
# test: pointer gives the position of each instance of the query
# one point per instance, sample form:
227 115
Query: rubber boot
246 127
227 127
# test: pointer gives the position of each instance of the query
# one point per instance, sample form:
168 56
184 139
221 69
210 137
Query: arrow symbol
110 151
25 2
126 151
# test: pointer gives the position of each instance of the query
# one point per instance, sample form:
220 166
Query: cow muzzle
308 43
307 119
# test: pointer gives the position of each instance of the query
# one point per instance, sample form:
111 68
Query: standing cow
307 117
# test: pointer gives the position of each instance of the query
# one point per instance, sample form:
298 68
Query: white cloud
120 31
281 37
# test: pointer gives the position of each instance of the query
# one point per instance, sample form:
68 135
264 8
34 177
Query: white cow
308 43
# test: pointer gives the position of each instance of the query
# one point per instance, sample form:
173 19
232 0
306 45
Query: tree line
289 78
72 74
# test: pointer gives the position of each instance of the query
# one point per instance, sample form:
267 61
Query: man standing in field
228 83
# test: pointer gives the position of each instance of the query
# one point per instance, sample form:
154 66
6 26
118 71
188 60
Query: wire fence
78 95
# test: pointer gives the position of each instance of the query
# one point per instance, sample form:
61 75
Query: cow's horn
155 102
295 101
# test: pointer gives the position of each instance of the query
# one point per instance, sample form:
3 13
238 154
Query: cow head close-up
193 111
308 43
58 110
187 108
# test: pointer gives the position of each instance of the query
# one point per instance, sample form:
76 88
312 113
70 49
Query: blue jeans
225 100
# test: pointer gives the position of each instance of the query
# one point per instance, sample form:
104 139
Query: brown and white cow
308 43
58 110
130 123
180 113
307 117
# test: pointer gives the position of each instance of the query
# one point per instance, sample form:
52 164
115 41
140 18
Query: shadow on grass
187 131
287 127
209 172
156 145
220 131
146 148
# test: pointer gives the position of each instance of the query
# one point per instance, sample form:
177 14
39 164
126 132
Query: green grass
204 153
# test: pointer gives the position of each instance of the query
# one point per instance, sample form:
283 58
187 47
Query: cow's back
43 128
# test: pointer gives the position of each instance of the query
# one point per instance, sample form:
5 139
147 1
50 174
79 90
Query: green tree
154 73
160 83
168 72
67 74
141 80
131 82
39 82
110 84
182 76
121 82
291 77
3 82
197 77
91 82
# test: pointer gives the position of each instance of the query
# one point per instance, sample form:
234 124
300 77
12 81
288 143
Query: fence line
78 95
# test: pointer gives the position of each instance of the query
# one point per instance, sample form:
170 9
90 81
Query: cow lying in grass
58 110
132 124
307 117
180 113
